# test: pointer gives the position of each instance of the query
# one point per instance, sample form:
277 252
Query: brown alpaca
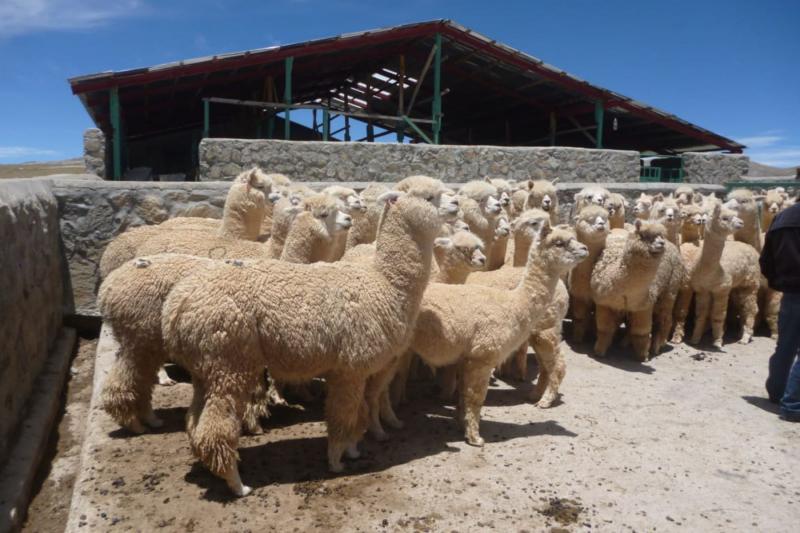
346 323
591 228
542 195
724 268
624 282
667 212
449 330
365 224
692 227
775 201
615 205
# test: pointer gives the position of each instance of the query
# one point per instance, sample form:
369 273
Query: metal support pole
346 118
400 95
553 128
206 119
287 97
437 90
326 124
598 118
116 124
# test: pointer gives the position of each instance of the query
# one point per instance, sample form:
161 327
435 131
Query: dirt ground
49 508
686 441
28 170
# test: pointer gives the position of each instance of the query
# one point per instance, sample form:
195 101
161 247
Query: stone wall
31 293
222 159
714 168
94 152
94 212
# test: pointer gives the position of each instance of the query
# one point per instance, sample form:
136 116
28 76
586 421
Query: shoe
789 417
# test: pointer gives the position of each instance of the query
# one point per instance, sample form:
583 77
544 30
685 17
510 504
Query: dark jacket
780 258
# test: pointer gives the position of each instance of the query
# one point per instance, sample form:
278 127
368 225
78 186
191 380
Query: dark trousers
780 364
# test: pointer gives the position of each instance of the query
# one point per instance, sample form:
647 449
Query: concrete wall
222 159
31 293
714 168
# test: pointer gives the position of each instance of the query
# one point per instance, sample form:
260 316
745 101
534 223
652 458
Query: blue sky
730 66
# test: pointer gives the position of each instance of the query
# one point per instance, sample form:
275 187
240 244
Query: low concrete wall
31 293
222 159
94 212
714 168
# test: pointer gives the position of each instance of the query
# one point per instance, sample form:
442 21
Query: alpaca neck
522 246
636 266
451 274
617 221
402 256
538 284
750 233
690 233
241 222
673 233
595 247
713 244
498 254
304 244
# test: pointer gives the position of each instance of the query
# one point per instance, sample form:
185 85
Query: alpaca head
692 215
743 201
666 211
530 223
775 200
503 228
459 225
428 189
504 189
723 221
616 204
649 239
542 195
328 217
462 250
684 195
485 195
349 200
591 224
592 195
251 190
448 204
559 248
643 206
419 217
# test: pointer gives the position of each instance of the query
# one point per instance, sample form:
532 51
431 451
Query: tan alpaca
724 268
524 229
591 195
666 211
448 329
615 205
481 210
505 189
629 279
542 195
692 227
684 195
775 201
546 334
591 228
351 203
346 322
365 224
744 202
244 210
502 231
644 204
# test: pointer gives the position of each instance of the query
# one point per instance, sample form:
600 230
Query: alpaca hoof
546 401
253 429
352 452
336 468
476 441
395 423
774 336
381 436
676 339
135 427
718 344
746 338
153 421
235 483
164 379
243 491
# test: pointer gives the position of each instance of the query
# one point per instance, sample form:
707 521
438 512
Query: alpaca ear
555 180
658 197
697 198
717 209
443 242
252 176
637 224
763 192
390 197
294 209
487 179
546 230
530 185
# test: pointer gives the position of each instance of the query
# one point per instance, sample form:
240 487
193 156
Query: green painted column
116 126
599 112
206 119
287 97
437 89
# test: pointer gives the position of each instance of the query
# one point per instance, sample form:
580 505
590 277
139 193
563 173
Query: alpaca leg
376 385
607 324
398 390
748 315
448 378
702 306
195 408
719 311
128 388
551 367
257 407
474 387
387 411
773 307
682 305
520 360
581 310
163 377
663 314
641 324
345 414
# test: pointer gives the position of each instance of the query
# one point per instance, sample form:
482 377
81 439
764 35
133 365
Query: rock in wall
714 168
94 152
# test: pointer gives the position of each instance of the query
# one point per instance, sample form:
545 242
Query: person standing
780 264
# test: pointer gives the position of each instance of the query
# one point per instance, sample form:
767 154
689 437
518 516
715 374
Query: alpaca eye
323 215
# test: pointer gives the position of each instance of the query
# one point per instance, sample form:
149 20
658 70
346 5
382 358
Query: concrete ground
686 441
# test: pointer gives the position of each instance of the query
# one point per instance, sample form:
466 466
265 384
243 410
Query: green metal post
437 89
287 97
206 119
116 124
271 127
598 118
326 124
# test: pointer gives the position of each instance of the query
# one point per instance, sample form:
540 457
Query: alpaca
481 210
525 228
644 205
666 211
546 334
692 224
365 225
284 212
351 203
743 201
775 201
457 256
543 195
724 268
347 323
591 228
504 189
591 195
449 330
244 209
312 234
615 205
627 280
684 195
497 255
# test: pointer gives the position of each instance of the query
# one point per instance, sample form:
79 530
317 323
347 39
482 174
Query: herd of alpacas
356 288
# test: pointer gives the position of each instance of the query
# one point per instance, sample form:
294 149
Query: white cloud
760 141
22 152
18 17
779 157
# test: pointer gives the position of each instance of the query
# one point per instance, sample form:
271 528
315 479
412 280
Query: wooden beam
421 78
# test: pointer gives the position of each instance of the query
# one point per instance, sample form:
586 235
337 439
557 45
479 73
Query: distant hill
42 168
757 169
